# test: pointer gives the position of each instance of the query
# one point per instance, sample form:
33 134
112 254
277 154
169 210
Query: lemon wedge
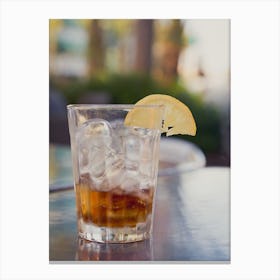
178 118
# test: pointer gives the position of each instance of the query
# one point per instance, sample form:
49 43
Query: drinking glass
115 170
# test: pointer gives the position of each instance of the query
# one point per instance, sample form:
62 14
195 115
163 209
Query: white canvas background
254 143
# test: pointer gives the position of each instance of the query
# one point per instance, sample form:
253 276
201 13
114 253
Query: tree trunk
144 40
167 52
96 48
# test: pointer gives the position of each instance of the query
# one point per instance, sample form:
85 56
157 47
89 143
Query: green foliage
130 88
71 90
208 128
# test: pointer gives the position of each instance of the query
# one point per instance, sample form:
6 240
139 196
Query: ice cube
132 147
145 182
117 143
96 127
146 167
85 179
95 132
97 162
94 138
83 158
132 166
130 184
146 148
101 184
114 170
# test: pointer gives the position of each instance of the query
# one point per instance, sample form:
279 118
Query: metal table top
191 224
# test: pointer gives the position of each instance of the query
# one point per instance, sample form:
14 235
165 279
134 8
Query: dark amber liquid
114 208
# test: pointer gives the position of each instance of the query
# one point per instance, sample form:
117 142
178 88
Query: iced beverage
115 170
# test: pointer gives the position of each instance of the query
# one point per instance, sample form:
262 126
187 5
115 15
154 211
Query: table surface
191 223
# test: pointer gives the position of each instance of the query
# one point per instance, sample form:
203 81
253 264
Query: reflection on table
192 223
134 251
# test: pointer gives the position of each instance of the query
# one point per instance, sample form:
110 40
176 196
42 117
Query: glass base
92 232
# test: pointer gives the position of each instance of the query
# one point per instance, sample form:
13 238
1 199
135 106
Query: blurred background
121 61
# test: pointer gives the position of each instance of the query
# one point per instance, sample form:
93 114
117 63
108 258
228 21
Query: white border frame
255 137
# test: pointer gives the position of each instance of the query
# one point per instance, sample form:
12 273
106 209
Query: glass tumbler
115 170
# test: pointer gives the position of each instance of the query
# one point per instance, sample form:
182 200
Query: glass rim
111 106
